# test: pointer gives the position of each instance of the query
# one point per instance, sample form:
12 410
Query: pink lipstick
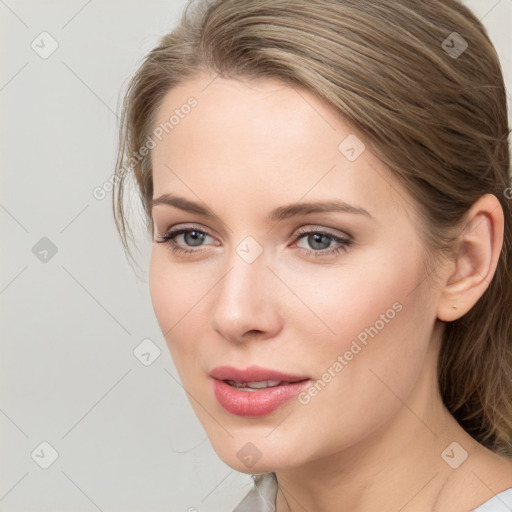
254 391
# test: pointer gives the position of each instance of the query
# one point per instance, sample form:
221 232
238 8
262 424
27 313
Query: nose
247 304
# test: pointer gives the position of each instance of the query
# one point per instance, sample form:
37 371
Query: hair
437 119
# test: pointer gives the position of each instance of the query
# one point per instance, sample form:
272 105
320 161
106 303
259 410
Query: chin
257 456
256 468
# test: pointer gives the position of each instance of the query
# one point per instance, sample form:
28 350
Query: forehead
267 142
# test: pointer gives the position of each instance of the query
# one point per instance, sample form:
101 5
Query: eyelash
168 239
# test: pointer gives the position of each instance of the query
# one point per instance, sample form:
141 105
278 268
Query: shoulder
486 482
502 502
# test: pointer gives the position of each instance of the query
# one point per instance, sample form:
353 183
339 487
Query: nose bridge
244 300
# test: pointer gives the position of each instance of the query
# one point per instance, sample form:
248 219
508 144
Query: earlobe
476 259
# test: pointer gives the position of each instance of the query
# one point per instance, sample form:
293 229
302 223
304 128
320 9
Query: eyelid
191 227
320 229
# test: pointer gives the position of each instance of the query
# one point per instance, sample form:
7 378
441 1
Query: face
334 298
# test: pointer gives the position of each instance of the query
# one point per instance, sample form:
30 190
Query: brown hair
429 107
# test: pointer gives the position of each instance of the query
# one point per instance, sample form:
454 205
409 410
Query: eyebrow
280 213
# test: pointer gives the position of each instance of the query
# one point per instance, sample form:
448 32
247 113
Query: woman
326 183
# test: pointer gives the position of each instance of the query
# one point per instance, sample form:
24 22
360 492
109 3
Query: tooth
255 385
263 384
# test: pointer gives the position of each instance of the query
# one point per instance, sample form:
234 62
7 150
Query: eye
321 242
190 235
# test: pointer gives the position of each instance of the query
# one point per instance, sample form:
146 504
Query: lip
253 374
258 402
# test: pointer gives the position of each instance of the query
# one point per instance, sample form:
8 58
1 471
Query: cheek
382 336
172 298
338 304
375 317
181 306
174 291
161 287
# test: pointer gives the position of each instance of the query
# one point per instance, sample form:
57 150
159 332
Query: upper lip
253 374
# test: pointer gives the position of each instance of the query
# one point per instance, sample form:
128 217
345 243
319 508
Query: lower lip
258 402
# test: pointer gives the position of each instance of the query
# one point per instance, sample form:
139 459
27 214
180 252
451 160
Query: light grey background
126 436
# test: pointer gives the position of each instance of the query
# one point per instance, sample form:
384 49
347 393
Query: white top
262 498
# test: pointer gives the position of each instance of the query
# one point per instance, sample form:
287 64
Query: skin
372 438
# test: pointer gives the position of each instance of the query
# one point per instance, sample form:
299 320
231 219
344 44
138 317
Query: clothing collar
262 498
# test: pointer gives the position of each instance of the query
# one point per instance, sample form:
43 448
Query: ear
476 259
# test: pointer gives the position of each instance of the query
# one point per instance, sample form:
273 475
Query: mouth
254 391
262 384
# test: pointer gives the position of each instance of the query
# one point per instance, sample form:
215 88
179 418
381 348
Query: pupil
195 237
317 239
